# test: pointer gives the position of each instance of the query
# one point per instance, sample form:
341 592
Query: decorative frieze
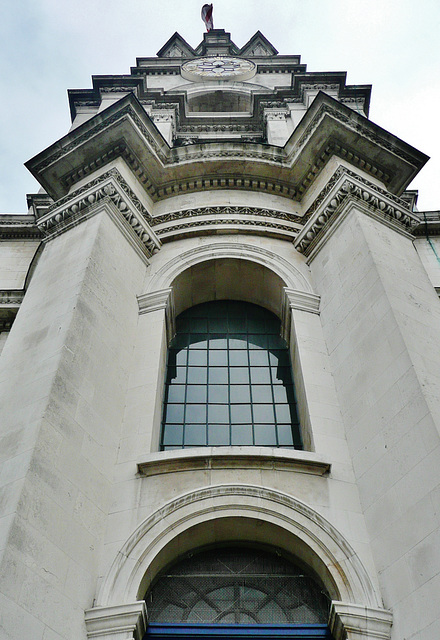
11 298
346 187
236 212
81 204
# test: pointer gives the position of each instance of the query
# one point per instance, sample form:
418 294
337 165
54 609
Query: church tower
220 364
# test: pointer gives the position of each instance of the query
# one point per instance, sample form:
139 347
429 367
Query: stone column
381 321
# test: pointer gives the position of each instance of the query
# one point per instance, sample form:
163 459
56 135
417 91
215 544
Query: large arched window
253 592
229 380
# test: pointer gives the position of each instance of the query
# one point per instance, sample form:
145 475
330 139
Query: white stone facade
273 189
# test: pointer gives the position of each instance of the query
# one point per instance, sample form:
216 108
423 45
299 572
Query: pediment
258 46
176 47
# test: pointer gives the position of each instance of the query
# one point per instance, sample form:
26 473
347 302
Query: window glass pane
197 375
174 413
218 341
176 375
195 413
173 434
260 375
263 413
239 375
281 375
218 434
218 358
241 434
278 357
240 413
258 358
218 413
218 325
265 435
199 358
282 412
240 393
238 358
195 434
199 325
218 393
238 341
261 393
218 375
280 393
176 393
181 341
181 357
257 341
196 393
198 341
237 325
284 435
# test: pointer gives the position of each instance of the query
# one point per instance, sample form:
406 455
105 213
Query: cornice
18 227
157 301
302 300
332 204
125 129
81 204
11 298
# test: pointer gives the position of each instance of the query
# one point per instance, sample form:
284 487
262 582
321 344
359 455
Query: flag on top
207 16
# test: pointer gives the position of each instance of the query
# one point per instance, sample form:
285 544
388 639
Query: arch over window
229 380
237 585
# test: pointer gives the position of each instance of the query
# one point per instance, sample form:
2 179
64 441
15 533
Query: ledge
202 458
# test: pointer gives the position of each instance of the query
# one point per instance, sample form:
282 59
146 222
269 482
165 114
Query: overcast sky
49 46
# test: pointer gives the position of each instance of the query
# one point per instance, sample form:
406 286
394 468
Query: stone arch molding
124 579
289 273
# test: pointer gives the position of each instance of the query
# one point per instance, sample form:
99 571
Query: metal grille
237 586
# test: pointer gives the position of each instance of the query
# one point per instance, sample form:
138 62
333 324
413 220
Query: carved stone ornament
346 187
81 204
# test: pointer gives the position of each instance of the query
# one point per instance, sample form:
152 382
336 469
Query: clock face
218 68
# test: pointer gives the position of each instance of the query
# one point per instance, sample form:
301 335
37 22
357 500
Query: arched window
229 380
237 587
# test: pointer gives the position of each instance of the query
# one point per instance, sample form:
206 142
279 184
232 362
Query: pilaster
380 317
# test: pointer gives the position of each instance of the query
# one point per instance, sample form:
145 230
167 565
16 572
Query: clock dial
218 68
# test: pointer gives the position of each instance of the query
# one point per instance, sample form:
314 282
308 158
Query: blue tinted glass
238 341
258 358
